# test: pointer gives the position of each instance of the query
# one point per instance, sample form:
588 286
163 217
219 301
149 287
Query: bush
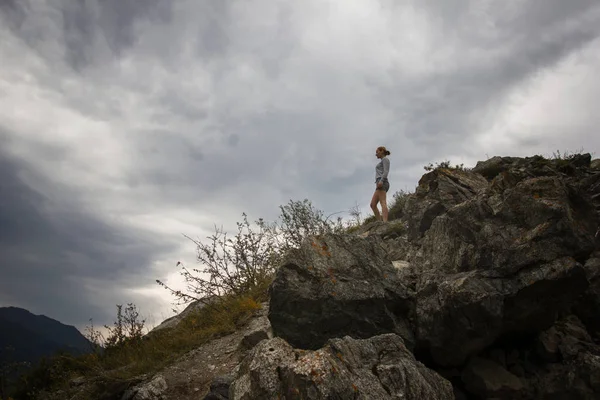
126 330
396 211
444 165
234 266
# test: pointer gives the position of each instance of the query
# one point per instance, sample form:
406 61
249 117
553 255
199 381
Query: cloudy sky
125 124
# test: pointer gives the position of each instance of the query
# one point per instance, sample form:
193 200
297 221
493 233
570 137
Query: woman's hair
385 151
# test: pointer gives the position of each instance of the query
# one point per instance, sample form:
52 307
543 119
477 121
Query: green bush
396 210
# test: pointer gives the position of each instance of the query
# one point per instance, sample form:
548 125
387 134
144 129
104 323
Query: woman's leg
374 201
383 201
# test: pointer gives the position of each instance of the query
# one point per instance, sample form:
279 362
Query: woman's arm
386 168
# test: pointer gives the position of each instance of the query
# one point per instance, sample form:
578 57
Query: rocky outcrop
483 262
587 307
488 287
437 192
339 285
380 367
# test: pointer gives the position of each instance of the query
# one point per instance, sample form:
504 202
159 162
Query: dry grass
150 354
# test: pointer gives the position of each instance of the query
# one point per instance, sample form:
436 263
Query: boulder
155 389
588 305
219 388
574 370
338 285
380 367
438 191
460 315
487 379
258 329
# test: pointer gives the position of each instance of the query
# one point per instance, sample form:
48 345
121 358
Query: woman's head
382 152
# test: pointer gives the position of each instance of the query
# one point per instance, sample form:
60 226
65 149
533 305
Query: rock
438 191
459 315
259 329
588 306
547 345
385 230
77 381
492 167
339 285
537 221
523 168
595 164
380 367
153 390
488 379
564 340
219 388
578 379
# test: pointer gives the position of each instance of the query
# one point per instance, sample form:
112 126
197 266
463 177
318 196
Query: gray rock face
377 368
488 379
573 370
339 285
537 221
438 191
588 306
461 314
153 390
259 329
219 388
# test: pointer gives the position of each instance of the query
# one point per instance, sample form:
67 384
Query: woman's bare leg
383 201
374 201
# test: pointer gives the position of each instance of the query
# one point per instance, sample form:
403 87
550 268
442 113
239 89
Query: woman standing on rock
382 185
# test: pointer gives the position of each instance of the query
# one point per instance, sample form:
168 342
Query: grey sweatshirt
382 169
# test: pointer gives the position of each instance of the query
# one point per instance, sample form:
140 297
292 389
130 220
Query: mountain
32 337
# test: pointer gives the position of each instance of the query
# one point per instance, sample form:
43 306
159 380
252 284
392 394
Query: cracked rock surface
380 367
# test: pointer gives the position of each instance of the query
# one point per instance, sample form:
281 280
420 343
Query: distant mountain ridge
33 337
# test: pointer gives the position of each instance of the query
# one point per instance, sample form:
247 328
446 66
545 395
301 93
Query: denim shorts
385 186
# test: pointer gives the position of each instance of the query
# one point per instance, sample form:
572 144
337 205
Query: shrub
234 266
396 211
444 165
126 330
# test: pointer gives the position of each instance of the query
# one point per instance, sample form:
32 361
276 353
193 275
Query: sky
125 125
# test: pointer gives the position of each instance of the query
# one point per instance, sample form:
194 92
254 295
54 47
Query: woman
382 185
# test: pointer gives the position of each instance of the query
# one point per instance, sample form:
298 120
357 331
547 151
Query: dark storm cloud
48 253
110 20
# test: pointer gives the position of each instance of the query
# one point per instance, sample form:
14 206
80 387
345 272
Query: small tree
126 329
231 265
300 219
238 264
356 215
95 337
399 200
